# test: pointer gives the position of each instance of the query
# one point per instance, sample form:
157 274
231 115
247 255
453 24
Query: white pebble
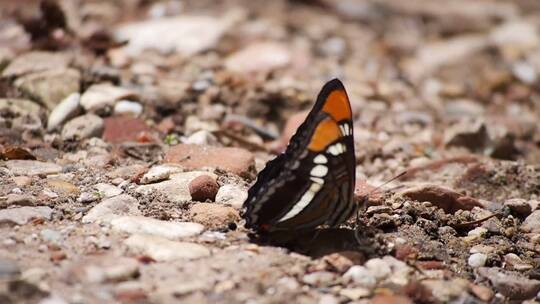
128 107
477 260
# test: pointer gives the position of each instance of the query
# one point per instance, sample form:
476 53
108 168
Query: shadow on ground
319 242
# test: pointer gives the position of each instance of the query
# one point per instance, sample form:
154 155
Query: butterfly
312 182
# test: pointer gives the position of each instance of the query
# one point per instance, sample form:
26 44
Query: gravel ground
130 132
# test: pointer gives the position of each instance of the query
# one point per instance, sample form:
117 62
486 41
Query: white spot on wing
319 171
333 150
317 180
302 203
320 159
315 187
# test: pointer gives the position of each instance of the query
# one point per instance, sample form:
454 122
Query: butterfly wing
312 182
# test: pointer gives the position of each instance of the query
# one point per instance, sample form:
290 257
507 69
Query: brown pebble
391 299
482 292
203 188
120 129
57 256
22 181
342 261
447 199
406 252
213 215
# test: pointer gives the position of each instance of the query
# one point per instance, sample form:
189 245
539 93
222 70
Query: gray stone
159 173
100 96
319 278
361 276
50 87
20 199
259 56
32 167
53 299
355 293
231 194
107 269
112 208
26 123
201 137
386 269
146 225
532 223
520 36
516 263
162 249
66 109
35 62
107 190
477 233
9 269
525 72
51 236
23 215
519 206
192 34
87 197
447 291
20 106
83 127
511 284
34 275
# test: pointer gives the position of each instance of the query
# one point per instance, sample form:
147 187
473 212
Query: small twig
266 134
469 224
241 140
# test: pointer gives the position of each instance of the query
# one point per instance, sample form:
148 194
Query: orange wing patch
326 132
337 105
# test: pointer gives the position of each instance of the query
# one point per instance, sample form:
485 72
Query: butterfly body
312 182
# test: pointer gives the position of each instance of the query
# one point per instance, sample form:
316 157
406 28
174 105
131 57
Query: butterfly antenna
387 182
363 203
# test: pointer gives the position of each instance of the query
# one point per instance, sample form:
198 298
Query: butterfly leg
360 231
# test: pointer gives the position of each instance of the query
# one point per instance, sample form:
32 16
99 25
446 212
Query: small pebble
128 107
203 188
20 200
51 236
477 260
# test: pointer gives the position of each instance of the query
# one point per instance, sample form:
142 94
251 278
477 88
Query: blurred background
412 69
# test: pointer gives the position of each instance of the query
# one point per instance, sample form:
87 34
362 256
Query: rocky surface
130 132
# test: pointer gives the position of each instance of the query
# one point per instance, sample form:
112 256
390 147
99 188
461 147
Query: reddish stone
390 299
131 296
120 129
430 265
145 259
291 126
58 256
363 190
342 261
439 164
406 252
482 292
15 152
203 188
447 199
166 125
234 160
